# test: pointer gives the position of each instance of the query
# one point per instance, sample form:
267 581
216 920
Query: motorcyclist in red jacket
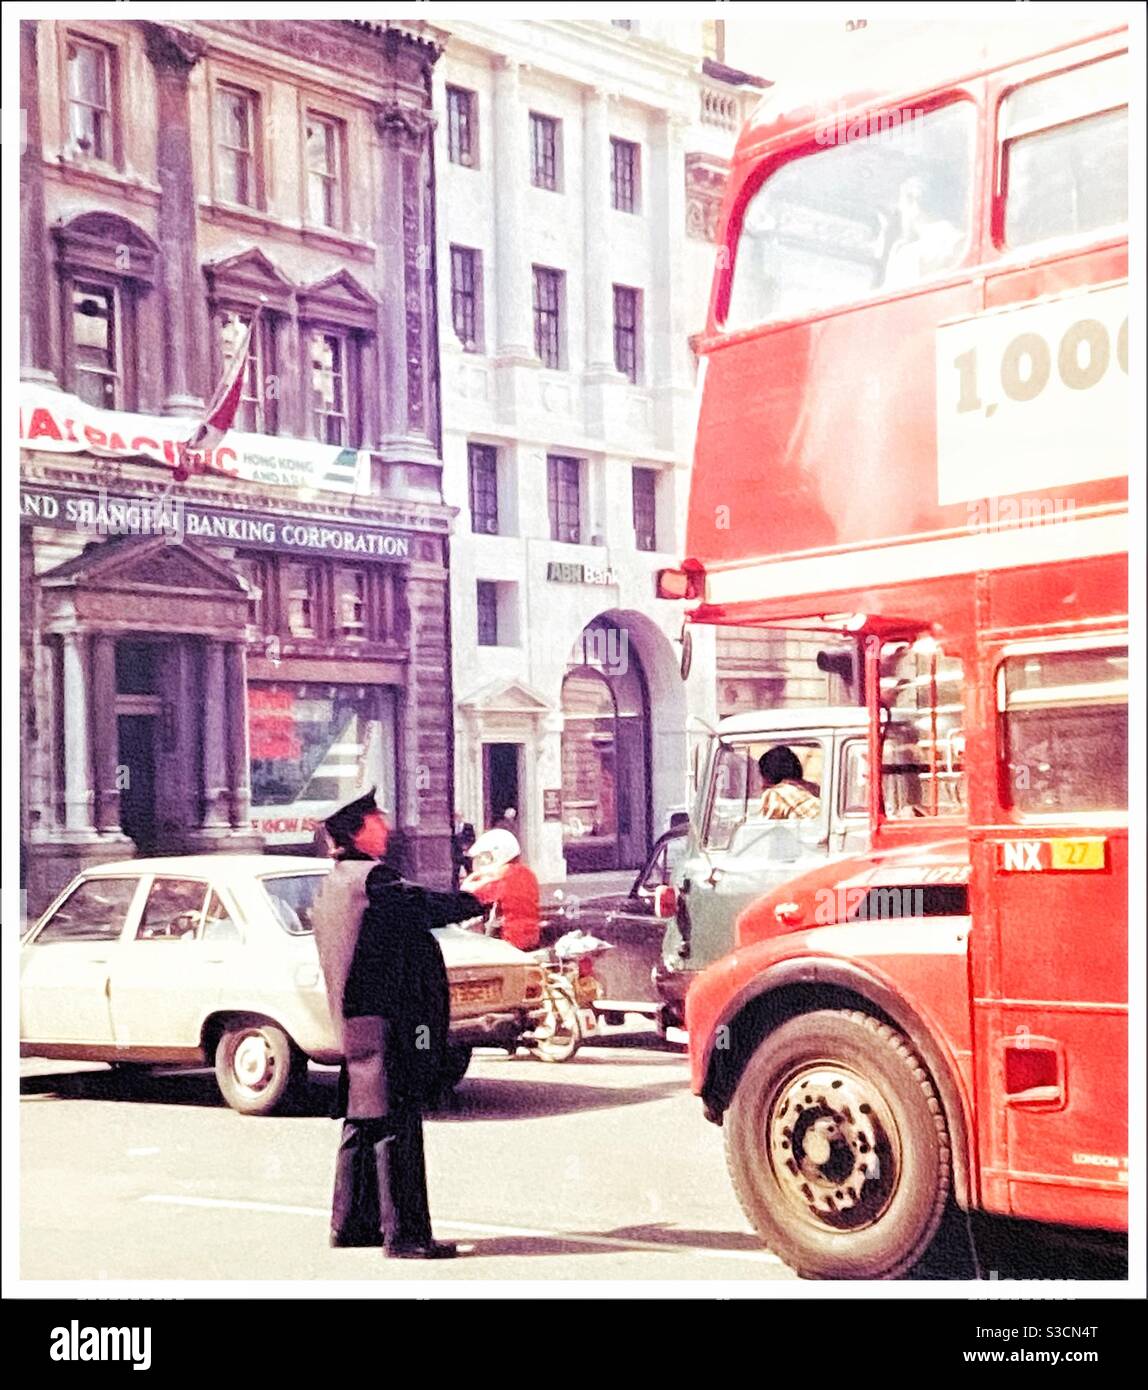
499 876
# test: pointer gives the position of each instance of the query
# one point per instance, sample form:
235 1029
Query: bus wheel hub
829 1141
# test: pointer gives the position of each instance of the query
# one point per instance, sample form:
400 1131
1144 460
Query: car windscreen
292 897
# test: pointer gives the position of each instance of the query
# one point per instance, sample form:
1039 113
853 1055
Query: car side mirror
665 901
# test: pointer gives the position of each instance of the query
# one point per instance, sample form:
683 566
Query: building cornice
636 70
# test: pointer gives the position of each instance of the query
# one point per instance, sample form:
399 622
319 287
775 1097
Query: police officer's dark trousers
380 1180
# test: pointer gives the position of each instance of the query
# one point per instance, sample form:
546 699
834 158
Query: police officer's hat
348 820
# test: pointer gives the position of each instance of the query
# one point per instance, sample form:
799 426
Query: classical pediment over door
146 584
505 697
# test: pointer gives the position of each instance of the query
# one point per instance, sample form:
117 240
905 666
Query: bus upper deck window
883 205
1064 717
922 738
1065 153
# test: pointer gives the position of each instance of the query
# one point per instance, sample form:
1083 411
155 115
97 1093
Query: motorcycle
565 1016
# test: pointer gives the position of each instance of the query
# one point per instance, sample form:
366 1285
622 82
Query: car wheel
258 1068
838 1148
457 1060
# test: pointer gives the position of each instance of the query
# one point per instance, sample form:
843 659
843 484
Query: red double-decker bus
913 429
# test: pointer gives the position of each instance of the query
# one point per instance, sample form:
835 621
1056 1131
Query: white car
210 959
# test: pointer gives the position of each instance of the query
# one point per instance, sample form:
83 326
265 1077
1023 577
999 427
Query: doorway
606 792
136 734
500 784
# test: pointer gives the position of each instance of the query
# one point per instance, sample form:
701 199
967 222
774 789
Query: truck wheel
258 1068
838 1149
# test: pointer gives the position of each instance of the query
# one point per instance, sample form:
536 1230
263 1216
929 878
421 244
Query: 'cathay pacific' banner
58 423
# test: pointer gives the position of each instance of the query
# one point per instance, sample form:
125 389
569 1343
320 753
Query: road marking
475 1228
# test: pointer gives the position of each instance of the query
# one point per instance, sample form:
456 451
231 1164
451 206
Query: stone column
238 751
294 401
37 284
408 336
77 743
426 739
667 308
514 285
174 52
599 300
105 732
369 394
216 800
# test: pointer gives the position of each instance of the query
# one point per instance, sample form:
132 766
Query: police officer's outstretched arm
445 908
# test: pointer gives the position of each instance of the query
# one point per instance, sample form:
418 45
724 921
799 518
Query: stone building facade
217 663
580 166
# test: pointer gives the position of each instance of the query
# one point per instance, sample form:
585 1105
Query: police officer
390 1002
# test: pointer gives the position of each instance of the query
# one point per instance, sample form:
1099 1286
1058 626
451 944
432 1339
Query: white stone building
579 167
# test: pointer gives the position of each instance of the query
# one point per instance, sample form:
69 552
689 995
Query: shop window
91 85
314 747
1065 153
483 465
302 589
548 327
884 211
1064 730
645 496
544 171
351 598
564 496
624 164
626 330
237 164
323 143
922 731
462 127
466 296
330 411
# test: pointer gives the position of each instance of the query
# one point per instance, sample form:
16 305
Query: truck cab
735 853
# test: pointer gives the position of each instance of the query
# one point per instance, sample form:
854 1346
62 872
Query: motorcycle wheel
559 1034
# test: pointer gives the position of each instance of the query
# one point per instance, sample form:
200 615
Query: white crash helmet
493 849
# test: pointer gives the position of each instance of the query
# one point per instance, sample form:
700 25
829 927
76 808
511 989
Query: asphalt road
599 1168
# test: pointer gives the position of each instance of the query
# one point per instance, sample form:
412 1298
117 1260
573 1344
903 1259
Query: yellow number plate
1077 854
475 992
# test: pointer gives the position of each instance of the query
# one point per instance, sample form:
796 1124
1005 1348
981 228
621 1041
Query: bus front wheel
838 1148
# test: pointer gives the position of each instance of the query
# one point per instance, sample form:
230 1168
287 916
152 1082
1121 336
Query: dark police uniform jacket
386 983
